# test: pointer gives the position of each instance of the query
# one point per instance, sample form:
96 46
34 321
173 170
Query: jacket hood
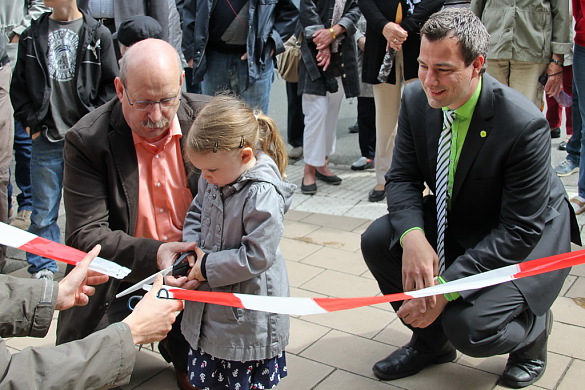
265 170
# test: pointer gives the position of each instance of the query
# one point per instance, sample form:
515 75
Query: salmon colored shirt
163 191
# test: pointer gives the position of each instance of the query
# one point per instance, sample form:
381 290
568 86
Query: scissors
179 268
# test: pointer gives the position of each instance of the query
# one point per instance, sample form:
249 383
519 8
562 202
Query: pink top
163 191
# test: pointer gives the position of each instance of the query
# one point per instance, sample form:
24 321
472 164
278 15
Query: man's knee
375 241
468 333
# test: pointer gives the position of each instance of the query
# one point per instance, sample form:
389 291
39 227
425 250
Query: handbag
288 61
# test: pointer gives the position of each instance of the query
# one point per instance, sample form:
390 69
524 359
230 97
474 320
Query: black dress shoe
526 366
335 180
407 361
555 133
308 189
355 128
563 145
376 195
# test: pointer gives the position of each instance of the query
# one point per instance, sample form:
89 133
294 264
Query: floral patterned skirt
209 373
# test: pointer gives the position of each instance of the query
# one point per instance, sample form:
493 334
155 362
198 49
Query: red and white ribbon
19 239
305 306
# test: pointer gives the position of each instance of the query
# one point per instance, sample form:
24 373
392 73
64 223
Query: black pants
295 118
366 120
495 320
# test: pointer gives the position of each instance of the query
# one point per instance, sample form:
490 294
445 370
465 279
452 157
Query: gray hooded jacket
240 226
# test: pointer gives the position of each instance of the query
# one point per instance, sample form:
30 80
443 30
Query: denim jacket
273 23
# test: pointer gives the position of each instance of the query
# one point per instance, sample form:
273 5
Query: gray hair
462 24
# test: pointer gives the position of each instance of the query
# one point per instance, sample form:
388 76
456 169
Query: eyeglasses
143 105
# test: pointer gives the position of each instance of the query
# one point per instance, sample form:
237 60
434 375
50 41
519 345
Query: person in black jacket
65 68
392 24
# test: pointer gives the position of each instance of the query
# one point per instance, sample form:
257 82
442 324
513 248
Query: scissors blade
148 280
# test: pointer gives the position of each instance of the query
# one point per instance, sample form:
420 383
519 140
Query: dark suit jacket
505 192
100 189
123 9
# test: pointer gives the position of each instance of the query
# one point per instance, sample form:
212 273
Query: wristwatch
555 61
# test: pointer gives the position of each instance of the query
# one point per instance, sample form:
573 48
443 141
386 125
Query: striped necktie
442 181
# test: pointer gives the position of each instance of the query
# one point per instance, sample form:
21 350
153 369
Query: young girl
237 220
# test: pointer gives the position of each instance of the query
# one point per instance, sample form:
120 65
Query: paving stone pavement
336 351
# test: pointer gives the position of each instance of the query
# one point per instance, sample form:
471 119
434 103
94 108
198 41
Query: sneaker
295 153
566 168
578 204
43 274
22 220
362 163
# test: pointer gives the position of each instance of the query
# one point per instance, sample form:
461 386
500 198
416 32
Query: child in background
237 220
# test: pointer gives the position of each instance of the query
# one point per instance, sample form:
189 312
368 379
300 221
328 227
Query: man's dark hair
462 24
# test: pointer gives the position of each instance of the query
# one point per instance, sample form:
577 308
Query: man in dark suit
504 205
127 187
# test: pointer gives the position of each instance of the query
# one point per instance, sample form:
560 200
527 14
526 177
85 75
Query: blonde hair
227 123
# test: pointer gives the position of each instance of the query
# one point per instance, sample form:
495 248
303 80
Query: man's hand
152 317
554 84
169 252
15 38
76 288
419 265
166 256
410 311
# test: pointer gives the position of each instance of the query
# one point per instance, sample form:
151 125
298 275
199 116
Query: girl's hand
195 273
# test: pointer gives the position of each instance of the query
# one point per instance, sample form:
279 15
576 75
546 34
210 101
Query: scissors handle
181 266
133 301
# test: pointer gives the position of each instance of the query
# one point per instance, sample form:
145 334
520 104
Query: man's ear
119 88
477 64
247 153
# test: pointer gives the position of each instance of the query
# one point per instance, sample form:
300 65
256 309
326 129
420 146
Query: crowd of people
151 118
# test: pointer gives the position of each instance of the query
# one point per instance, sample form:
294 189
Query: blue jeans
47 183
22 152
578 147
227 72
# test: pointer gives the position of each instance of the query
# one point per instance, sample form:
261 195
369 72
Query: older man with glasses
127 187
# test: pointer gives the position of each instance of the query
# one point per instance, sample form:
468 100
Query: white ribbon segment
17 238
109 268
14 237
281 305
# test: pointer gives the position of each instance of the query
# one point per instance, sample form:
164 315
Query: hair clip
241 141
215 146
